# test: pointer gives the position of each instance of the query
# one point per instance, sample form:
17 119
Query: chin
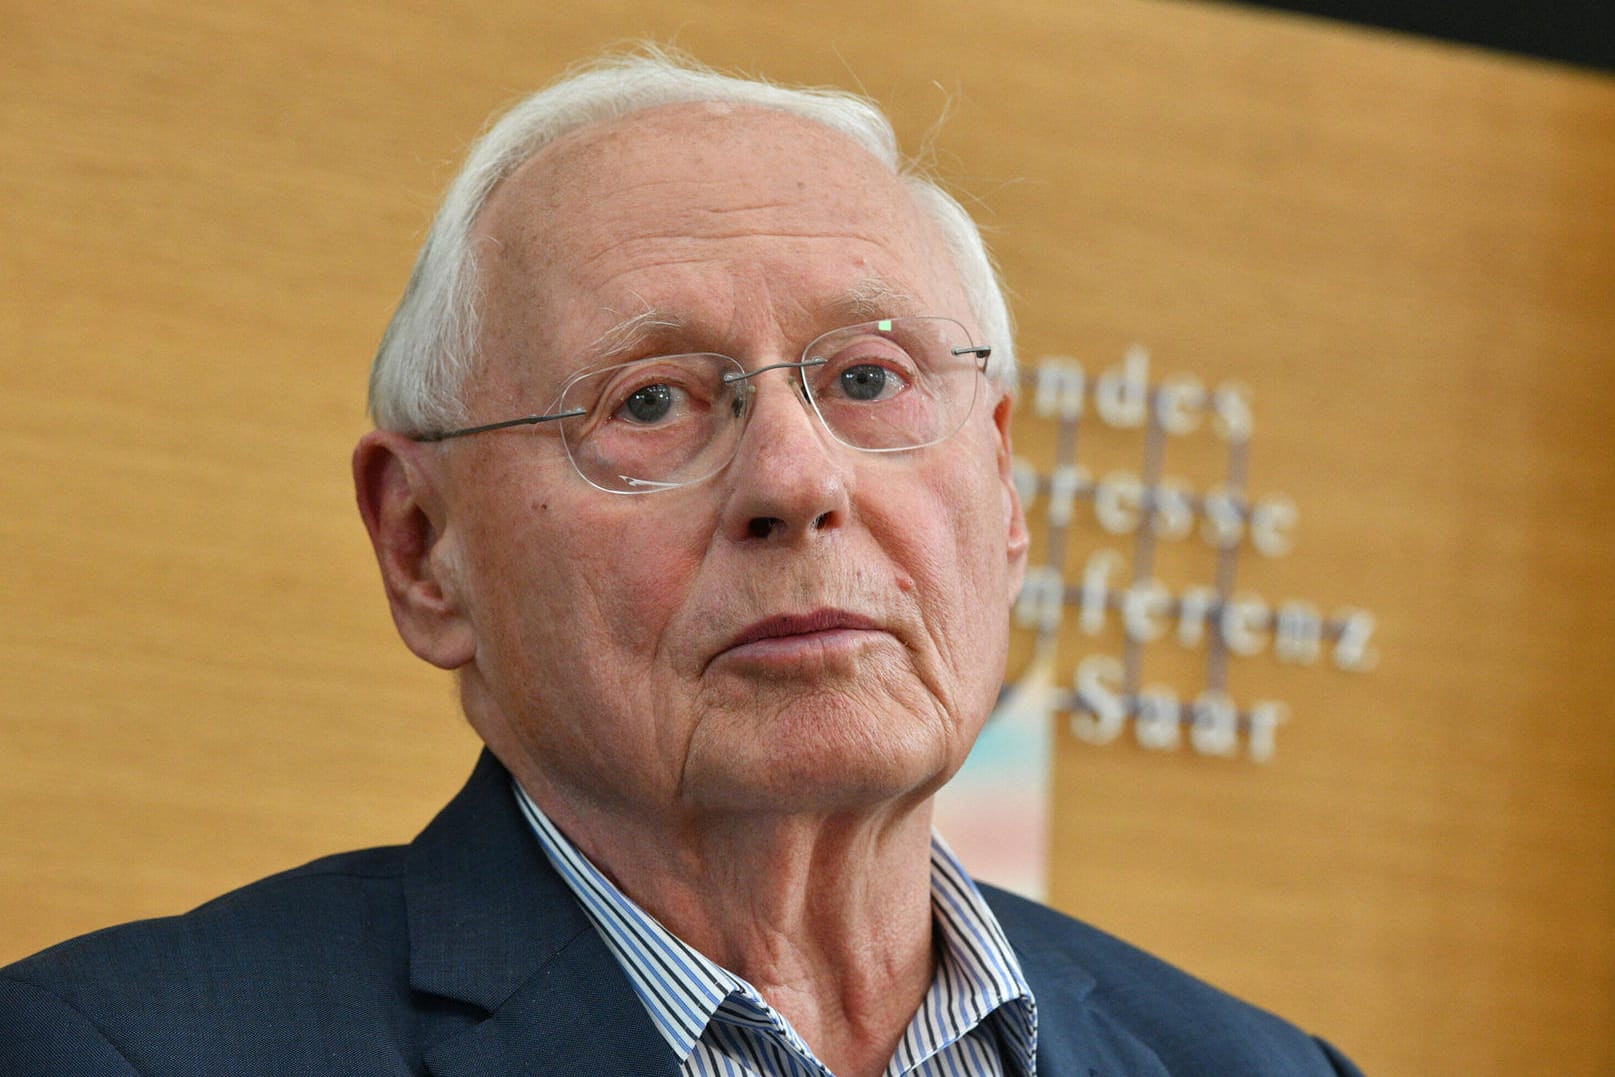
831 768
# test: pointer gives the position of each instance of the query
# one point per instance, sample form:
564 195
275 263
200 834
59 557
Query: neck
828 917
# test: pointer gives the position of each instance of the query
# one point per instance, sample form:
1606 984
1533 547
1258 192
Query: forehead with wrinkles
596 213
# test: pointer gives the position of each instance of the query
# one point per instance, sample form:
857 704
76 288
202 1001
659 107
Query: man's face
814 629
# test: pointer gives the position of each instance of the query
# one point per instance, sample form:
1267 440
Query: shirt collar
978 977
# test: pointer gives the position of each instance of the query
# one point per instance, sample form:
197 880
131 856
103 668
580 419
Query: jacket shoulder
302 908
252 965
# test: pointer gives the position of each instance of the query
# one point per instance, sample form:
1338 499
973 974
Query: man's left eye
867 381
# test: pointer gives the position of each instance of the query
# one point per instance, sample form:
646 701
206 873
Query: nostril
763 526
821 521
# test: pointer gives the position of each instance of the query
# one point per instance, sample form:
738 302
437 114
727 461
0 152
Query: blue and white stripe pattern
977 1020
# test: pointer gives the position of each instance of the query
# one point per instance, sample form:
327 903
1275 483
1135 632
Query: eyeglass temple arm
980 351
526 420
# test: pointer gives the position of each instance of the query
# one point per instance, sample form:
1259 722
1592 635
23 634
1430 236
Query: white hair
431 342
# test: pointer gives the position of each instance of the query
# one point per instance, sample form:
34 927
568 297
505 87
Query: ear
399 484
1014 516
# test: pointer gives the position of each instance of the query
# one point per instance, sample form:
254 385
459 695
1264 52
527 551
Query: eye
870 371
650 404
651 395
866 381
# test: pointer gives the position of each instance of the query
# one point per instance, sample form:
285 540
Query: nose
788 480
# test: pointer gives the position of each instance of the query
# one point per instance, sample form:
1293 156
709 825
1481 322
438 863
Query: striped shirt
978 1018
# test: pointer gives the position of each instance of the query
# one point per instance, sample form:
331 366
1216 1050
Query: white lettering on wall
1149 507
1101 713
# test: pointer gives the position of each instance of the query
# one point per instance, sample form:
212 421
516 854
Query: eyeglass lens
659 423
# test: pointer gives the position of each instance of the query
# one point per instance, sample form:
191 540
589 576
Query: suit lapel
576 1016
491 925
1075 1036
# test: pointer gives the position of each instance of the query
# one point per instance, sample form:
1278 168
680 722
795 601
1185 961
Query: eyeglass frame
982 352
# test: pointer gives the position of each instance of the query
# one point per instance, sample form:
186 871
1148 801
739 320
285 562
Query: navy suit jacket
464 954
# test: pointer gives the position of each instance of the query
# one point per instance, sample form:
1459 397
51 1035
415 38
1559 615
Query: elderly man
692 460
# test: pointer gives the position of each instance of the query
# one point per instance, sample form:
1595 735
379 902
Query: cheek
960 561
637 574
574 618
555 565
622 569
967 539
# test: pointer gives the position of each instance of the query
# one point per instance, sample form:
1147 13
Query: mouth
788 635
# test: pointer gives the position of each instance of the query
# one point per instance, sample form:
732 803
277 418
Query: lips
805 625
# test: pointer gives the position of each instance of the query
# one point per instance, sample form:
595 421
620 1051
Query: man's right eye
650 404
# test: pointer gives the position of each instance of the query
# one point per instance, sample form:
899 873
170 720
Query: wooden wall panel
1407 251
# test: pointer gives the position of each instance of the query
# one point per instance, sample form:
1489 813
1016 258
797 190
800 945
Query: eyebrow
874 297
631 333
